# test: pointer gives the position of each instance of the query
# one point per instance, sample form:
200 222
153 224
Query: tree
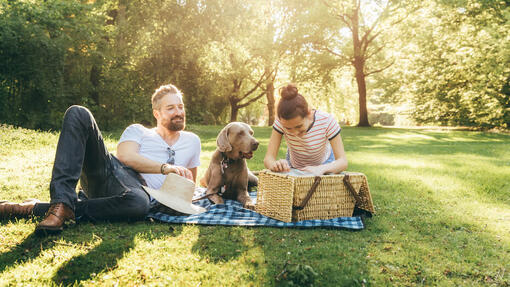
235 56
45 64
455 63
364 31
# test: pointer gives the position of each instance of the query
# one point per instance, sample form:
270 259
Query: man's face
171 113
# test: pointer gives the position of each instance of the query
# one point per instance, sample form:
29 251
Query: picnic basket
295 198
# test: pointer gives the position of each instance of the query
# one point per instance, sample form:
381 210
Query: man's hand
279 166
179 170
315 170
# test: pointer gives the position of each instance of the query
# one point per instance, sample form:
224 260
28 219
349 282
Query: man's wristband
162 168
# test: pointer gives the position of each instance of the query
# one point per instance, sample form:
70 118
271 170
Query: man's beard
179 126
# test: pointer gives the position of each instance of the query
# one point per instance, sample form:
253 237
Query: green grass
443 218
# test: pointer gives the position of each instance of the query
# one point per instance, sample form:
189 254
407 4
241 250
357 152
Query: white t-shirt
152 146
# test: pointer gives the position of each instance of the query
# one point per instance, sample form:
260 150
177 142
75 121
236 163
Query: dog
235 143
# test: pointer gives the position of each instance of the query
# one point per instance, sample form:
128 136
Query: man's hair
163 91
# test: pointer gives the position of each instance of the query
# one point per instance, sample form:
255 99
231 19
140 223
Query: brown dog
228 168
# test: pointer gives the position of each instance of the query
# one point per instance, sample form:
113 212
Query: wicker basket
288 198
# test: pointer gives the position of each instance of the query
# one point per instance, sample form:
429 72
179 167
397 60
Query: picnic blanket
232 213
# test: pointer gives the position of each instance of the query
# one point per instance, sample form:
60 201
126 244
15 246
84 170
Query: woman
313 138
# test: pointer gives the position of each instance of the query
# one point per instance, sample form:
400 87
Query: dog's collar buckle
223 163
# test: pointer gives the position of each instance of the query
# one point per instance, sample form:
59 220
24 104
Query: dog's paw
203 182
216 199
249 205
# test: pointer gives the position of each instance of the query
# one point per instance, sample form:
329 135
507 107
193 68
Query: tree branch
379 70
252 100
341 56
342 17
365 41
275 72
368 56
339 15
255 87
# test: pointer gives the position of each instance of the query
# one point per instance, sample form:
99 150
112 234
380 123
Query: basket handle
348 184
309 195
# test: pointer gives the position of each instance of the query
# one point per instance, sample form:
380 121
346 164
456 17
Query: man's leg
80 147
80 152
114 190
123 198
132 205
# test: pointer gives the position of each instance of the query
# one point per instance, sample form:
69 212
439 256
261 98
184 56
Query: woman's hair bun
288 92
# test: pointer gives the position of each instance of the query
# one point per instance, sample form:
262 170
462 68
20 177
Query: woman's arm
340 163
337 166
270 161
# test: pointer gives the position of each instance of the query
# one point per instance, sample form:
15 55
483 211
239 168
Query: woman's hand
179 170
315 170
279 166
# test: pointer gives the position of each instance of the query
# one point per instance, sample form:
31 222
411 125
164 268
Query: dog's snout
255 145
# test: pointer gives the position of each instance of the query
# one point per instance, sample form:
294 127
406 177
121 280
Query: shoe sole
46 230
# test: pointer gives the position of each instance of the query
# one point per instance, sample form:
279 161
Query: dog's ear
222 140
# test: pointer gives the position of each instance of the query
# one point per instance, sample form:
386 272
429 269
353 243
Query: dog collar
224 162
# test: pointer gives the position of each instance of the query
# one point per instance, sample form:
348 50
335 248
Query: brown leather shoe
17 210
56 218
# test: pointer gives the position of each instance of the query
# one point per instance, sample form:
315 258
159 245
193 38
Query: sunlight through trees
368 62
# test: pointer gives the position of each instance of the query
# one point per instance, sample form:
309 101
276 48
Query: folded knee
137 204
77 112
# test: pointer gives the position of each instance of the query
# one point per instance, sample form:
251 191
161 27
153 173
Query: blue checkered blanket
232 213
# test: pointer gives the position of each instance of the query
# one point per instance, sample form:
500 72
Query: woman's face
296 126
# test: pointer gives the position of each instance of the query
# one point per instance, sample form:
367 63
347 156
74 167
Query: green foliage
454 63
45 51
450 59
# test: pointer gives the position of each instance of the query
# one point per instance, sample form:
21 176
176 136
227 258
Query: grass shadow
271 255
220 243
29 249
117 241
102 257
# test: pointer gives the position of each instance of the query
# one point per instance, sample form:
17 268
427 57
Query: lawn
443 218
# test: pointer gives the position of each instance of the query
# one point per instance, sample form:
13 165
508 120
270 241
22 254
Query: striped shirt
313 148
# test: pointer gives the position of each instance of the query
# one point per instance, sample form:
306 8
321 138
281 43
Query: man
112 186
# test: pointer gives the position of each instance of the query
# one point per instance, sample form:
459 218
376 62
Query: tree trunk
270 102
362 91
359 67
234 111
95 74
234 100
505 103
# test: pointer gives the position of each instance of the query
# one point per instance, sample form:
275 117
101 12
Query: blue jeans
111 190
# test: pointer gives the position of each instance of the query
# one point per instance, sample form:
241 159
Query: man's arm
127 153
194 173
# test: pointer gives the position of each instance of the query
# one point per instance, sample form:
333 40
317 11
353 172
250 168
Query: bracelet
162 168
